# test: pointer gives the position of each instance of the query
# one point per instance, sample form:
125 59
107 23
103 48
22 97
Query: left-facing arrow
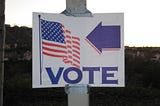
104 37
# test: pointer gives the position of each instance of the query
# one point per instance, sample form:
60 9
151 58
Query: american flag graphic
57 42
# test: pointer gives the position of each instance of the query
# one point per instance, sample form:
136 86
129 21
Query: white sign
78 50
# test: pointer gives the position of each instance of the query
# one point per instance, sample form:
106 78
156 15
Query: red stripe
76 61
69 51
53 55
69 56
67 31
54 50
69 47
52 44
68 41
74 46
76 38
76 56
67 36
67 61
76 65
75 51
76 42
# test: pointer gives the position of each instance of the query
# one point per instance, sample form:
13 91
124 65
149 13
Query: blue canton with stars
52 31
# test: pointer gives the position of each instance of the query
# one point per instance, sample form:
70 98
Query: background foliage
142 77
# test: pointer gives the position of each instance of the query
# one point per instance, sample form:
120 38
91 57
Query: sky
141 17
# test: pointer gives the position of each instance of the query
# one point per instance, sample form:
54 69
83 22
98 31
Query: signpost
78 52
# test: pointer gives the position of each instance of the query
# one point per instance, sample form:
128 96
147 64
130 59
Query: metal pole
2 39
77 8
78 94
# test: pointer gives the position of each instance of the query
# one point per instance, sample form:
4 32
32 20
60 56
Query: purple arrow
104 37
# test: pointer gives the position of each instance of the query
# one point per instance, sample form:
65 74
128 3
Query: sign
78 50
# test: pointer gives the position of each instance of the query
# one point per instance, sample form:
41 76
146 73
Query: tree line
142 71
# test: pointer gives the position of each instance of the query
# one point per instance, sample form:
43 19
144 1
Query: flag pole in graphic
40 49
